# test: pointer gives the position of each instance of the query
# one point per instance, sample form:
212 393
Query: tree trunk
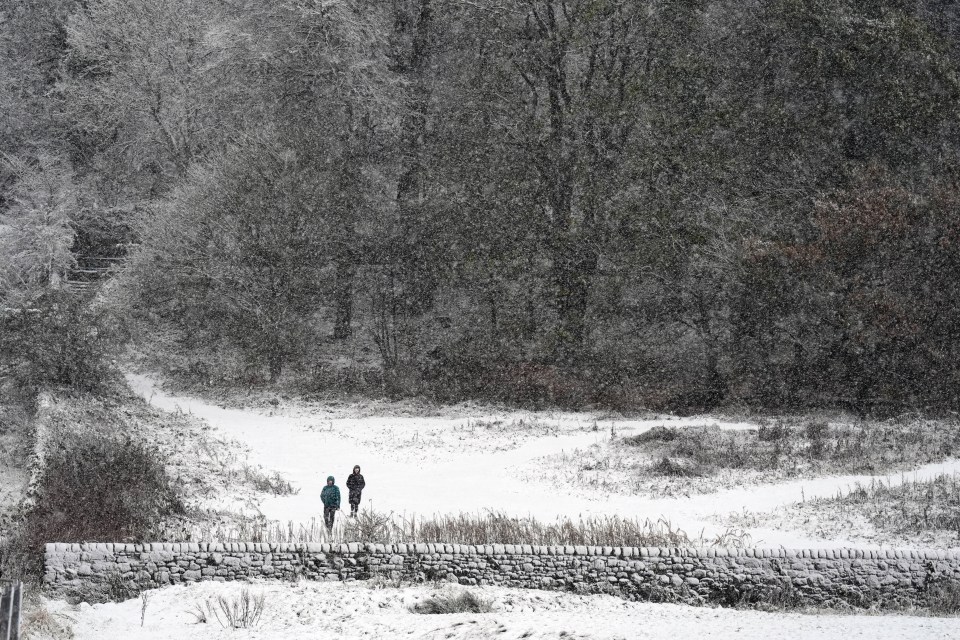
275 364
492 303
347 248
343 300
716 387
417 279
574 268
795 378
529 328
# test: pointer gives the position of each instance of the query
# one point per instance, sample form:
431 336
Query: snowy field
470 461
462 462
355 610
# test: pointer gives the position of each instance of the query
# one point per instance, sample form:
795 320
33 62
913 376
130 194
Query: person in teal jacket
330 497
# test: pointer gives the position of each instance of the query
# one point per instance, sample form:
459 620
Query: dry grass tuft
913 507
924 513
40 624
475 529
274 483
463 602
797 447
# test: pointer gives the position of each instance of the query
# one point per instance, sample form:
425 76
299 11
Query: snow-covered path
354 610
456 470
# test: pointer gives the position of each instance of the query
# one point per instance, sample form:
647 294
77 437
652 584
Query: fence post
17 607
11 603
6 611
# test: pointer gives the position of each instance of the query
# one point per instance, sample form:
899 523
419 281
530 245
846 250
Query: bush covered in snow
100 489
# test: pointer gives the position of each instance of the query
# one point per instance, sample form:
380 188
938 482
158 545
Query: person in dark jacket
330 497
355 484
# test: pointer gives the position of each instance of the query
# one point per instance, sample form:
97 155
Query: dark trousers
354 503
328 515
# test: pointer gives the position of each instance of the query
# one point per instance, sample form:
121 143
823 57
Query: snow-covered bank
455 463
355 610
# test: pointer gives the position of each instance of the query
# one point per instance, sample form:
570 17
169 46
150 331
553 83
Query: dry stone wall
725 576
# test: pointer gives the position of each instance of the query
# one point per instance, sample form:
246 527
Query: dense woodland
674 204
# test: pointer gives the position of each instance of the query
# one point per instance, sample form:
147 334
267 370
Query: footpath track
452 473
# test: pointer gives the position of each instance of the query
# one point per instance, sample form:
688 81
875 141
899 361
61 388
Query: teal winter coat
330 496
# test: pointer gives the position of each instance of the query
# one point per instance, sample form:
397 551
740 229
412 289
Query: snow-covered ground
355 610
458 462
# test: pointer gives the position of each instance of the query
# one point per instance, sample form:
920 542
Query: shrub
816 433
378 581
96 489
111 587
240 612
58 340
347 379
119 590
655 434
472 368
766 597
772 433
672 468
943 597
464 602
